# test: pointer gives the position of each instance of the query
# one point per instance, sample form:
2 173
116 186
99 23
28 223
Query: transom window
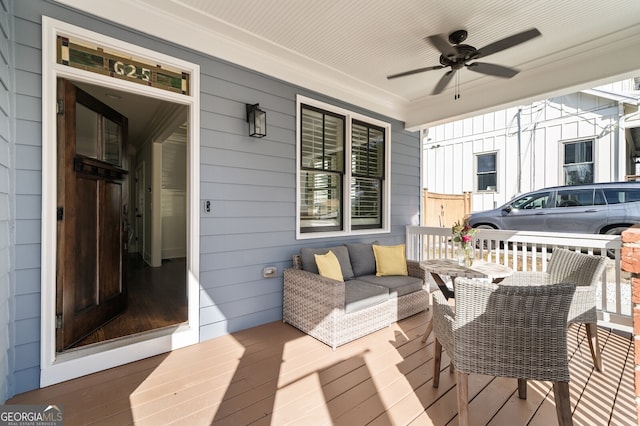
578 162
486 171
343 184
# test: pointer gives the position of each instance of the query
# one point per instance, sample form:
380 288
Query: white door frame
56 367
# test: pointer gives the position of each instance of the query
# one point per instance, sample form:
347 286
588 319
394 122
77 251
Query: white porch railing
530 251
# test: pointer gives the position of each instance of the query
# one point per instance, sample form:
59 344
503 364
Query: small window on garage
578 162
486 172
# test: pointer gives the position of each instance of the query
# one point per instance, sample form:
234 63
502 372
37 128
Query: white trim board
55 368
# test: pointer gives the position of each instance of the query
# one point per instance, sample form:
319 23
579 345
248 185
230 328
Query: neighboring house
247 203
581 137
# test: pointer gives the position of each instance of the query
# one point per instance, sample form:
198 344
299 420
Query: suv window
599 198
622 195
533 201
574 197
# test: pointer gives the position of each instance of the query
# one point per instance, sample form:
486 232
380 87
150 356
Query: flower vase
466 254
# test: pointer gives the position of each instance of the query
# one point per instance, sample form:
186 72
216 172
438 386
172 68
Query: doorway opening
122 179
168 108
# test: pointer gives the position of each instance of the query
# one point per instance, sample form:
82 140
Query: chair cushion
361 295
307 256
390 260
363 261
398 285
328 266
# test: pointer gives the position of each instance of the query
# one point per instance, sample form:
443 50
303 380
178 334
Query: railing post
631 263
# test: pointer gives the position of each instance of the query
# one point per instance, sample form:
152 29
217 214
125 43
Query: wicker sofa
337 312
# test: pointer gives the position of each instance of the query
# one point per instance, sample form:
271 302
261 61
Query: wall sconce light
257 119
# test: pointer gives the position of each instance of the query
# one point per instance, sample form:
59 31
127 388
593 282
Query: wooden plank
377 365
399 383
483 407
274 374
546 412
624 406
445 409
519 411
591 408
412 405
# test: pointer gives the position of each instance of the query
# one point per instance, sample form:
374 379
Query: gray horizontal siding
251 183
27 184
6 196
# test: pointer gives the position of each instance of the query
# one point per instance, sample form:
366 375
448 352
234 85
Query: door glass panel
86 131
111 142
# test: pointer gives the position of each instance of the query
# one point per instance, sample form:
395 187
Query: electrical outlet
269 271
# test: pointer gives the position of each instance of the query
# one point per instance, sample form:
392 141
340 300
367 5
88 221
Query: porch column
631 263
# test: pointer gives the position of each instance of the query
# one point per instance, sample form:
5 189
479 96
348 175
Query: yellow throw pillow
390 260
328 266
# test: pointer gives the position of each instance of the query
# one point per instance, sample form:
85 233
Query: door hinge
58 321
60 106
60 213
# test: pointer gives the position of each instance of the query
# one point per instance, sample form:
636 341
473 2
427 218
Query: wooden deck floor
276 375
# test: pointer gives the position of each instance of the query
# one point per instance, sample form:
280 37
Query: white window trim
346 191
475 172
561 163
55 367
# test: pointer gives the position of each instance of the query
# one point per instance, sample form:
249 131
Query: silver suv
597 208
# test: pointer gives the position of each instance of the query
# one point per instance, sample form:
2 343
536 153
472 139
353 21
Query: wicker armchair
583 270
506 331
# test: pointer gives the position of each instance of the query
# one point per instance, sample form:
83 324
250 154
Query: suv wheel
614 231
485 246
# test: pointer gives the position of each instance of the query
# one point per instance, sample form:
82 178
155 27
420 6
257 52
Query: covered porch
275 374
269 372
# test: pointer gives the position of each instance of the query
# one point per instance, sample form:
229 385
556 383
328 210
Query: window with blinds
321 170
342 181
367 172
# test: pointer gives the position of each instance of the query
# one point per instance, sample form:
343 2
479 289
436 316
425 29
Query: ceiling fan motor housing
457 37
464 53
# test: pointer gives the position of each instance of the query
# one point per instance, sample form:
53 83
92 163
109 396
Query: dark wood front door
92 214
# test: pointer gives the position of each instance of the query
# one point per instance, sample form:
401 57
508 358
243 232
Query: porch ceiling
346 49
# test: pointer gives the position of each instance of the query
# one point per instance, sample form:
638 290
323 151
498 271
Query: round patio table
451 268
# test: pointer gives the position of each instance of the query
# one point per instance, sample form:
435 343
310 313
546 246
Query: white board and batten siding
250 182
450 150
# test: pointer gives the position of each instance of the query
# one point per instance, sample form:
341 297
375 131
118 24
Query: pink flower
463 232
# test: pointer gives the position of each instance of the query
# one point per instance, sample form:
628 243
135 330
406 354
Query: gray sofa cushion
309 261
361 295
398 285
363 260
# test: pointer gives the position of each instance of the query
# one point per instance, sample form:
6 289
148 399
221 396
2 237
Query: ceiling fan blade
446 78
419 70
506 43
493 69
442 45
